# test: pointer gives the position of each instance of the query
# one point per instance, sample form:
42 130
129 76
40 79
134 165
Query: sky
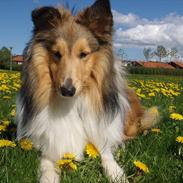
138 23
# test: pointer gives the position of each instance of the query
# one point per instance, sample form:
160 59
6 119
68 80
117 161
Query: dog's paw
49 177
114 172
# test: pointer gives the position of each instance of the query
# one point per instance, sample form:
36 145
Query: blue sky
137 21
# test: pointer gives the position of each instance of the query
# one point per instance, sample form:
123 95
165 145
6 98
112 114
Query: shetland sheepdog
73 92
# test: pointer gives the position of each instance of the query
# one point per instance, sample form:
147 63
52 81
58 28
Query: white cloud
134 31
128 20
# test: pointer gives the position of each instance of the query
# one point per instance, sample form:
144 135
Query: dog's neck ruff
67 125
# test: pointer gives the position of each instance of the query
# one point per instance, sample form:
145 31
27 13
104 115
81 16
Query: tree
161 52
173 53
147 53
122 54
5 55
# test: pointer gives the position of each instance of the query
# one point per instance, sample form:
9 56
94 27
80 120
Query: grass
159 151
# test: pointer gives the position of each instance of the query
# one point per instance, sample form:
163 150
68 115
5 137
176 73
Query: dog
73 92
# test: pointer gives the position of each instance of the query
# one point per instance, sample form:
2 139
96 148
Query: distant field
158 149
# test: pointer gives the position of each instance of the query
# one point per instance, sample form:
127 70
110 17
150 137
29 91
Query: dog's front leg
48 173
111 168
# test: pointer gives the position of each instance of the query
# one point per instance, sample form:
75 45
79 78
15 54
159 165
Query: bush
154 71
15 67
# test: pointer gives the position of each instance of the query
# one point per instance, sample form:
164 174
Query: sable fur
138 119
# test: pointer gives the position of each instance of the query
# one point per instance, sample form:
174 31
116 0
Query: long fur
77 49
138 119
96 113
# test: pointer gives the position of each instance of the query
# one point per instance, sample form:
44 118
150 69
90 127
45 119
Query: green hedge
154 71
15 67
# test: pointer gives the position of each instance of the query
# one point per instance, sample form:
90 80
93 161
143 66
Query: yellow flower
6 97
63 163
157 130
2 128
26 144
179 139
151 94
176 116
69 156
92 151
141 166
171 108
73 166
67 162
141 95
6 123
13 112
17 85
6 143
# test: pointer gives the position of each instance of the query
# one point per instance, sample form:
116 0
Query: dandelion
141 95
145 89
73 166
26 144
156 130
176 116
179 139
6 143
16 85
67 162
151 94
69 156
2 128
171 108
141 166
91 151
6 97
13 112
6 123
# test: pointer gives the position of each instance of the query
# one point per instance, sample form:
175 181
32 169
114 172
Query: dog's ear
45 18
98 18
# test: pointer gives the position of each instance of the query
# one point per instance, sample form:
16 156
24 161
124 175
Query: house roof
177 63
151 64
17 58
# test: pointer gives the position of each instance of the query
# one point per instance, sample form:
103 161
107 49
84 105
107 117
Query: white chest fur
68 126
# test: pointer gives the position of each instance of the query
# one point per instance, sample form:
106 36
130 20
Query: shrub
154 71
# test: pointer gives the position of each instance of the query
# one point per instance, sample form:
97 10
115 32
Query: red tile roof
151 64
17 58
177 64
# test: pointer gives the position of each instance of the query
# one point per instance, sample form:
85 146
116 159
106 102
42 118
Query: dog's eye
57 56
83 55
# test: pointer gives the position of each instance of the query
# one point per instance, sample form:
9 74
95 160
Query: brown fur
55 53
135 113
138 119
72 56
53 56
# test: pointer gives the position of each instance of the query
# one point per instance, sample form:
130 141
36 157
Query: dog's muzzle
67 89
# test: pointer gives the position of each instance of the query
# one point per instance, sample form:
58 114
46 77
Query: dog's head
77 48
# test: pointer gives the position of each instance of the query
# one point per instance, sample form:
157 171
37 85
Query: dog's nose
68 92
67 89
